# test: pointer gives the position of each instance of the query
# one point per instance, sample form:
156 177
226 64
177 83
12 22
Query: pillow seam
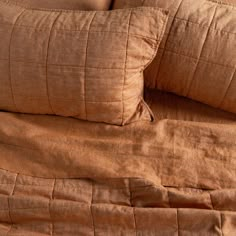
125 68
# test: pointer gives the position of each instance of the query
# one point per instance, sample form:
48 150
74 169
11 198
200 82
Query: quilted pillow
197 56
82 64
65 4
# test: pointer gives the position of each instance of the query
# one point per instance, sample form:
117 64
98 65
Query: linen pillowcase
83 64
65 4
197 56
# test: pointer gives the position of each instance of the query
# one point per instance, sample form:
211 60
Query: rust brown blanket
176 176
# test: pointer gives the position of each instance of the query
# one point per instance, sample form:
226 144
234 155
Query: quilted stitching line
177 219
63 65
9 207
125 67
9 59
211 200
221 209
116 32
135 222
76 100
46 68
131 205
105 31
204 26
203 46
13 190
31 185
221 223
228 88
222 3
34 208
50 206
158 71
11 226
66 65
85 63
200 59
44 208
217 208
91 208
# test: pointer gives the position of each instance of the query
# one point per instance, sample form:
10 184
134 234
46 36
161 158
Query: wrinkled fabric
126 206
83 64
66 4
176 176
197 56
189 144
173 177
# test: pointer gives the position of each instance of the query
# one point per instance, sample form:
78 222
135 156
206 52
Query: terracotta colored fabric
34 206
172 177
66 4
83 64
197 56
190 144
175 176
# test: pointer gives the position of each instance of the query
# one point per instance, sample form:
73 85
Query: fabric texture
65 4
175 176
197 56
32 206
83 64
190 144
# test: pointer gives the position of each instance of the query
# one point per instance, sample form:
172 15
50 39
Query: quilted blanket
176 176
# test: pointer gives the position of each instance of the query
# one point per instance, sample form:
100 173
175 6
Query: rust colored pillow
83 64
197 56
65 4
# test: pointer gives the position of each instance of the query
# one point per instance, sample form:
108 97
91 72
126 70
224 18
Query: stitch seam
9 59
85 66
168 36
46 66
125 68
200 55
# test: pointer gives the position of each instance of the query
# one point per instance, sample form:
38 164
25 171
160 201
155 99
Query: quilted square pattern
200 48
111 207
87 65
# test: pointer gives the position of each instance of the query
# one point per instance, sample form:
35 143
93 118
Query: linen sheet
176 176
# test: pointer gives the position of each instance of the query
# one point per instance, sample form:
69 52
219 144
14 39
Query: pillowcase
83 64
197 56
65 4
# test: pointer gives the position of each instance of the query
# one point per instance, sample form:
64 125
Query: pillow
82 64
197 56
65 4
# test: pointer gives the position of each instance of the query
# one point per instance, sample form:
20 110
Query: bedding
83 64
33 206
175 176
197 56
65 4
189 143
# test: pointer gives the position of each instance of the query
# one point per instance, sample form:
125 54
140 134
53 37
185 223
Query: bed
61 176
64 176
